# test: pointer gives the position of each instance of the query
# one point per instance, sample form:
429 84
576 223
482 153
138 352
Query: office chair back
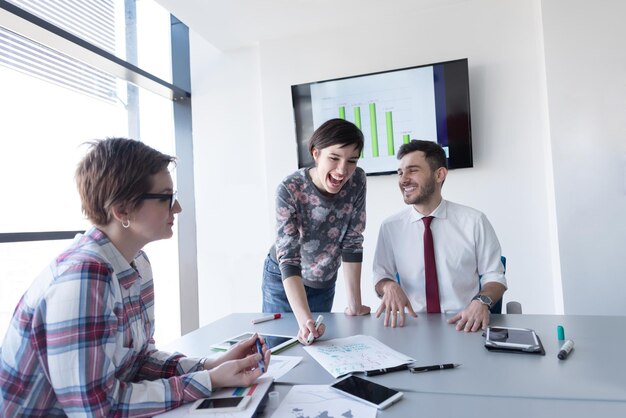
513 307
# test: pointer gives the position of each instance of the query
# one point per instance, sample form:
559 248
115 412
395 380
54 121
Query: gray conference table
591 381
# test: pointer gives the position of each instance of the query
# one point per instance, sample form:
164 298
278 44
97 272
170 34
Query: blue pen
259 350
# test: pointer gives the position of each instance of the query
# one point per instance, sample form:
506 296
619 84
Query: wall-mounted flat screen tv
429 102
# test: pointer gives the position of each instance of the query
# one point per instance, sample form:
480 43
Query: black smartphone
366 391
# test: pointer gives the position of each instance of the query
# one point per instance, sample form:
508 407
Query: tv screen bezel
453 95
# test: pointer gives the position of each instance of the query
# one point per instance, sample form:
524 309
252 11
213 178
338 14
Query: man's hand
394 300
473 318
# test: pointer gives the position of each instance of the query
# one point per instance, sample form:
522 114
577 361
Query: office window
52 103
128 29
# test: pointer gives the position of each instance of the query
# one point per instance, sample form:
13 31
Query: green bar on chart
357 117
406 138
389 123
374 130
357 120
342 112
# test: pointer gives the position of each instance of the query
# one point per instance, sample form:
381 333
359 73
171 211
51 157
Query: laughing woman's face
334 165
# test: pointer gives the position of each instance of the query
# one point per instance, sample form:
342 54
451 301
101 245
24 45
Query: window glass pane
163 256
136 31
45 128
51 113
156 128
154 43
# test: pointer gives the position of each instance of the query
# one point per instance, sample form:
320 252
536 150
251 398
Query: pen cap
560 332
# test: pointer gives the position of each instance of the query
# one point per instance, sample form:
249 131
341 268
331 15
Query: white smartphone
210 405
366 391
506 337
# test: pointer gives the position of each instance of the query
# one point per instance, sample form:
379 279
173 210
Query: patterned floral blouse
315 232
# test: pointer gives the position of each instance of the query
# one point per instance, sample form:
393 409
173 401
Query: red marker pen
266 318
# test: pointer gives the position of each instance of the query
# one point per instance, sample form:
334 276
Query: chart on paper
357 353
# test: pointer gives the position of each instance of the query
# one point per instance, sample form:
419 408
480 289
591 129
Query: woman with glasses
320 219
81 338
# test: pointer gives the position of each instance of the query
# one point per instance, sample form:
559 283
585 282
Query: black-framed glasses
163 197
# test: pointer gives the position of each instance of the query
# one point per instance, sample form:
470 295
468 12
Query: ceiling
232 24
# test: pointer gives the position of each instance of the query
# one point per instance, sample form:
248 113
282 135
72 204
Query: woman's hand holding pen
242 349
309 328
239 365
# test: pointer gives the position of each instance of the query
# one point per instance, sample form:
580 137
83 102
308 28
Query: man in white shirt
467 253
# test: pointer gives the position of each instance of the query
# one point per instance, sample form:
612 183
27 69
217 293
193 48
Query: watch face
484 299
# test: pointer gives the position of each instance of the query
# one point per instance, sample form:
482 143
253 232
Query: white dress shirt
467 254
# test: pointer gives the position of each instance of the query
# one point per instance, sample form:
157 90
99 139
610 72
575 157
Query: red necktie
430 269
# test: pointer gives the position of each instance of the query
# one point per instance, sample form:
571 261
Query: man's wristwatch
485 300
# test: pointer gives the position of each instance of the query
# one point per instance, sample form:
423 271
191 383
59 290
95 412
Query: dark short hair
116 171
435 155
336 131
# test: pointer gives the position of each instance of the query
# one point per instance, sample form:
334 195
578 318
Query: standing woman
81 339
320 219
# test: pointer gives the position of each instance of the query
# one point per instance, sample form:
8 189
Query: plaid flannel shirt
81 342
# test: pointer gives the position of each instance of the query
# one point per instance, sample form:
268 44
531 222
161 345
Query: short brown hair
116 171
434 154
336 131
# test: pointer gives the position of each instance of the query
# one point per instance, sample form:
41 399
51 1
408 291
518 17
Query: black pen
387 370
432 368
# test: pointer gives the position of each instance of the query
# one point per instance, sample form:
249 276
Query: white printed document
280 365
321 401
357 353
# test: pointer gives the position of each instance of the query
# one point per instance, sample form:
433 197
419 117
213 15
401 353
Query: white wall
512 173
586 73
243 97
231 202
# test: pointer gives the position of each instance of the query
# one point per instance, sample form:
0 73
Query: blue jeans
275 299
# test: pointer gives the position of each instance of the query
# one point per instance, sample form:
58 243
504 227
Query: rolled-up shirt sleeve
384 266
488 253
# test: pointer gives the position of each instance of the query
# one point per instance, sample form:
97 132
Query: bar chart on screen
390 110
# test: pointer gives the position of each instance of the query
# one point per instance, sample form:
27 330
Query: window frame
39 30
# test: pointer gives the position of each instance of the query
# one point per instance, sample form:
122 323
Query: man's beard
426 192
